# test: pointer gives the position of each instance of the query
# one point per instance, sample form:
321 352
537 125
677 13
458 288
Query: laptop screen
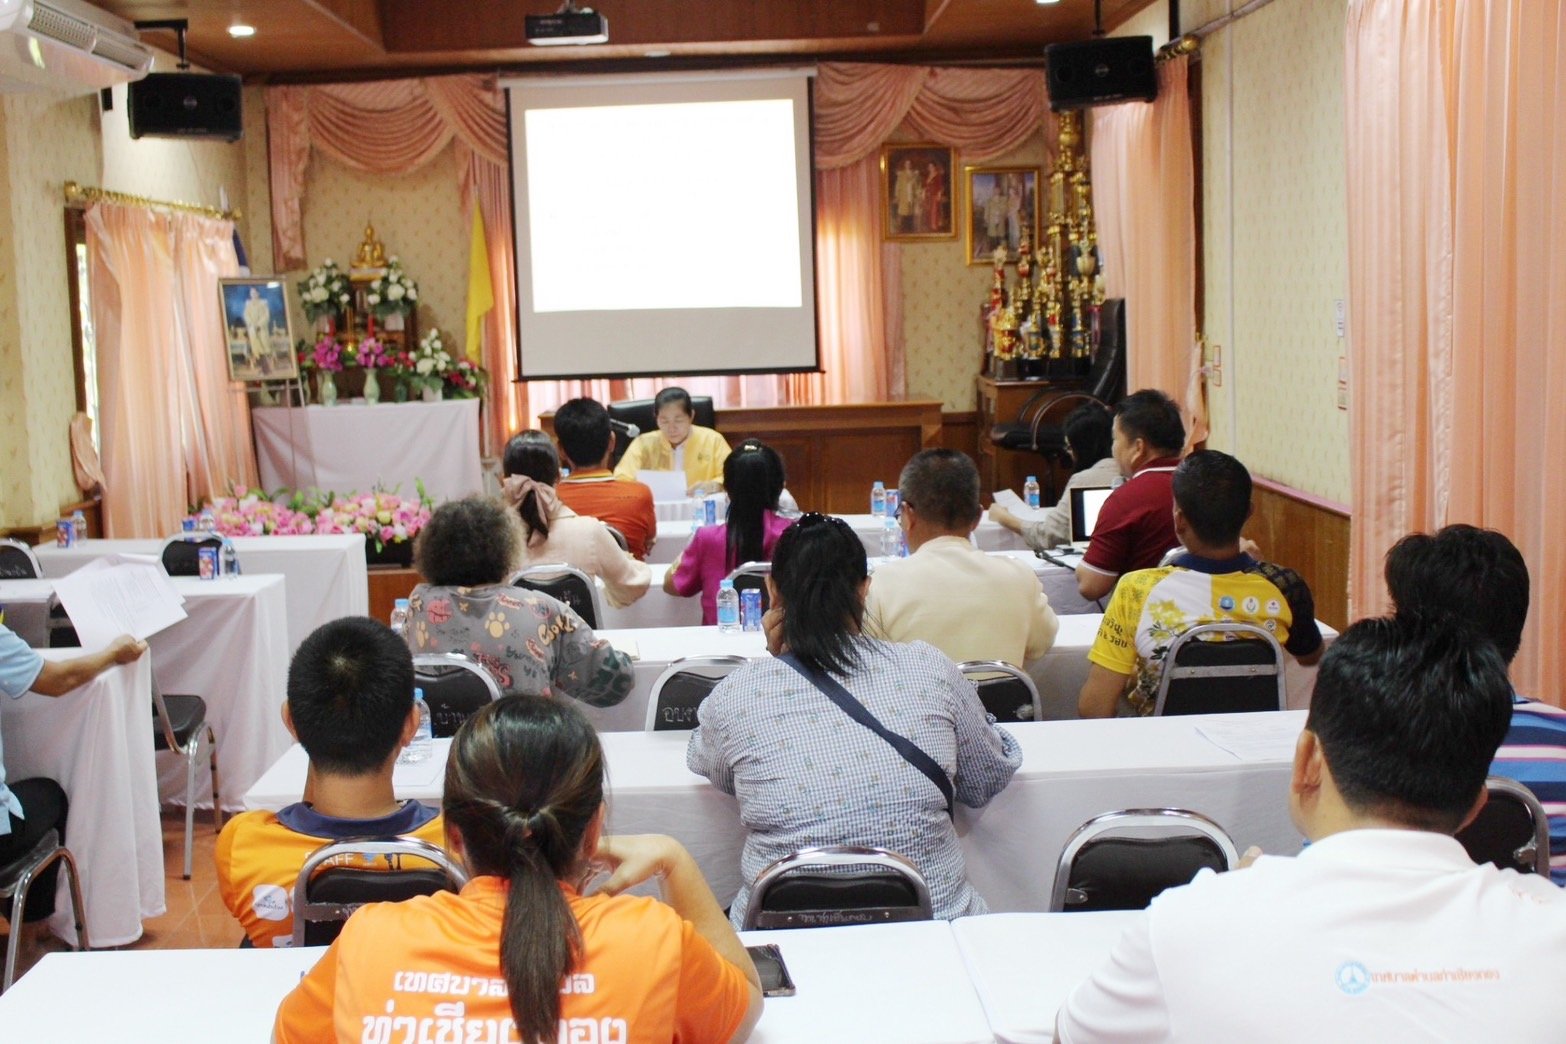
1086 501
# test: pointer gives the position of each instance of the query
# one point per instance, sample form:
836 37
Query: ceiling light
239 30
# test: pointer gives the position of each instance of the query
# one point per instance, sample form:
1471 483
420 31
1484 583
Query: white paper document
665 485
1260 737
1019 507
119 594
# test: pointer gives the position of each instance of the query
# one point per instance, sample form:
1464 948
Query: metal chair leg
78 907
191 750
217 800
13 943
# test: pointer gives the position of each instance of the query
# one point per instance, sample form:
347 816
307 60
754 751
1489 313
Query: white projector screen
664 225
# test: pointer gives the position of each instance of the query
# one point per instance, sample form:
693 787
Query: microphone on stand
630 431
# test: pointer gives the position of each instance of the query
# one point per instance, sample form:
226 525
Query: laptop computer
1086 502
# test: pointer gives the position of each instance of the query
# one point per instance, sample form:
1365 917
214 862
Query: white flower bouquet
324 292
431 362
392 292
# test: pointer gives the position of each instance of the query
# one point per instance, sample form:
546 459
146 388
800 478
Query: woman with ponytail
774 732
753 478
523 952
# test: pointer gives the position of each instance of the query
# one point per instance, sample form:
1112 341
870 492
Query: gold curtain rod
76 193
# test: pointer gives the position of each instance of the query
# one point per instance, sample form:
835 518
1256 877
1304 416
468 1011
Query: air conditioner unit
67 46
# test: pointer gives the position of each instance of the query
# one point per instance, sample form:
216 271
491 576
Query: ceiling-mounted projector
569 25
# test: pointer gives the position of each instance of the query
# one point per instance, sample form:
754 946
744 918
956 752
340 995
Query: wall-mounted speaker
1100 72
186 105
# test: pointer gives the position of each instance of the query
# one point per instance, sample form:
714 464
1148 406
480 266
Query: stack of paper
119 594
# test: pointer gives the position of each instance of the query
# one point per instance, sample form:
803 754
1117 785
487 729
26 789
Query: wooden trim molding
1310 535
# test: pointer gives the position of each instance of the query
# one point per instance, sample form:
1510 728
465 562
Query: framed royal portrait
1000 205
256 330
916 192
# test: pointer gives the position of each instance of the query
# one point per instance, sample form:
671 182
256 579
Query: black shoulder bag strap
859 712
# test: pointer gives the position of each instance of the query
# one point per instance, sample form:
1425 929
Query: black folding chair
1006 691
835 885
1511 830
682 686
17 561
182 557
325 897
564 583
1123 860
1222 676
455 688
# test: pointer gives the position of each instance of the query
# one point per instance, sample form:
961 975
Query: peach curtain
175 429
1144 186
1456 157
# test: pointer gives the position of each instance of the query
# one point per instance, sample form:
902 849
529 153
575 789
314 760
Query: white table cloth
326 574
353 447
1071 771
1024 965
26 605
232 651
96 742
673 535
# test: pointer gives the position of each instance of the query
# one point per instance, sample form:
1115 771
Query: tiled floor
196 917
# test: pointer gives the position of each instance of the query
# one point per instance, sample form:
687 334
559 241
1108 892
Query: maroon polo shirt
1135 527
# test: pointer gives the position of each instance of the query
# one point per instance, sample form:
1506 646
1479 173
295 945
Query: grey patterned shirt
807 774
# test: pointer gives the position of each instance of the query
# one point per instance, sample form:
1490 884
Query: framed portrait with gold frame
256 329
1000 204
916 192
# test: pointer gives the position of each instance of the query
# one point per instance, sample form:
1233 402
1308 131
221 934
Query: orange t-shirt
624 504
430 967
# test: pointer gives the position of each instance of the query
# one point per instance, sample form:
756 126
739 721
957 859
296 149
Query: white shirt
1368 935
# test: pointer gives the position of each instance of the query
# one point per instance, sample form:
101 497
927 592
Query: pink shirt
704 562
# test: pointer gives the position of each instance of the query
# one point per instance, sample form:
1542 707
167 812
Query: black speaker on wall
186 105
1100 72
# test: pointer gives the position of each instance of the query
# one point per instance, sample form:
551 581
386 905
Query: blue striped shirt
1534 754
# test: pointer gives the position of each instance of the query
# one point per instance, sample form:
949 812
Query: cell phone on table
775 980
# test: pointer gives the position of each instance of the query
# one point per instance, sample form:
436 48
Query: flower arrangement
324 292
304 351
248 513
392 292
466 379
431 361
331 355
372 354
383 517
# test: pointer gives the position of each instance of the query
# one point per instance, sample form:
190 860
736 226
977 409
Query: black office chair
16 880
752 576
1006 691
17 561
679 690
1101 869
864 885
455 688
1203 676
181 726
1511 830
644 414
564 583
182 557
325 898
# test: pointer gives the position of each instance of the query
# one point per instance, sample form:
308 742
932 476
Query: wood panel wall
1309 536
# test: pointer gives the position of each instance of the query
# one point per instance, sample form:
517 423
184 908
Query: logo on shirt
1274 607
1252 605
1352 978
270 902
1226 603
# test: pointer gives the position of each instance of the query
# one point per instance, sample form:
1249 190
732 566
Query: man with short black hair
1382 928
350 706
1133 529
969 605
1211 581
1477 578
587 444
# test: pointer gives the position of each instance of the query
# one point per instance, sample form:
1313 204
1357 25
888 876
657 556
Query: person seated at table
530 642
30 808
679 444
553 532
1088 436
1211 581
587 443
1383 928
753 478
1478 577
1133 529
524 808
969 605
350 706
806 773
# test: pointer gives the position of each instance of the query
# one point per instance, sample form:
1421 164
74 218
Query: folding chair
565 583
682 686
864 885
454 688
182 728
17 561
1103 869
1006 691
1511 830
1203 676
751 576
326 893
182 557
16 880
619 538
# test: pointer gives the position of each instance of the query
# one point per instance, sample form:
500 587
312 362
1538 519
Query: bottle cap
879 485
725 584
401 603
418 694
1033 478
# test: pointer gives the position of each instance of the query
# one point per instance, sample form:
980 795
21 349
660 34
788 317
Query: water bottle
230 559
423 740
399 617
891 537
698 511
1030 491
878 500
728 608
208 521
79 525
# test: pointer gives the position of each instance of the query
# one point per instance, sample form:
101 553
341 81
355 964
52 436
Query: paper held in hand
119 594
1019 507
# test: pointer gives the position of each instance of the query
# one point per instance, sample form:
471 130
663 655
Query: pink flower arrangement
372 354
466 379
330 355
247 513
384 518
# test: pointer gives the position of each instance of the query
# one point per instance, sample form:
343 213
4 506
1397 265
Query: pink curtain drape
1144 186
175 429
1456 157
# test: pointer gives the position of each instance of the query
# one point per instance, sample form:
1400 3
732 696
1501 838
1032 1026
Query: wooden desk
999 403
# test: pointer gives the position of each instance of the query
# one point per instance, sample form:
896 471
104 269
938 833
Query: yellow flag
481 293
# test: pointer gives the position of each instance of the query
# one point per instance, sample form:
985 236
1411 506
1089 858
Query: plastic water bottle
79 525
1030 491
891 537
399 617
878 500
424 739
230 559
698 511
728 608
